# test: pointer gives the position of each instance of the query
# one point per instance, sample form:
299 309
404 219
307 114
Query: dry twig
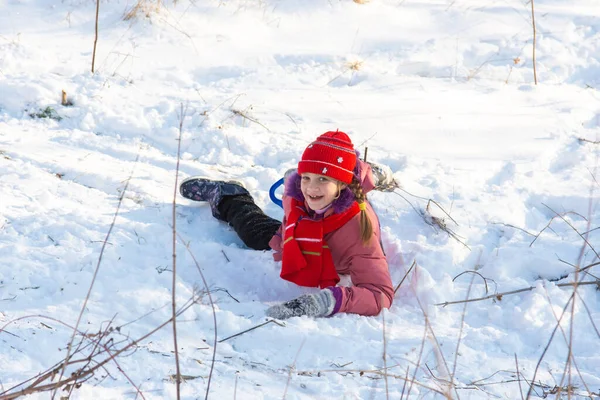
292 367
80 375
548 345
438 348
518 376
174 242
576 231
476 273
570 356
552 219
251 329
435 221
587 310
87 297
214 312
534 41
387 390
414 377
515 227
377 372
405 275
95 35
498 296
462 324
404 384
584 140
245 116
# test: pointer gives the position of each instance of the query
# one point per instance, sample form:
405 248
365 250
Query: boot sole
205 178
200 179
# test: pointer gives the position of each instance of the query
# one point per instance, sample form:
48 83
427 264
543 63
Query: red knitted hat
332 155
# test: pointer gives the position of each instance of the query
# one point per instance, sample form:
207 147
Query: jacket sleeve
367 267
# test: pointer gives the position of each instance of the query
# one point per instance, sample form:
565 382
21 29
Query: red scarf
306 258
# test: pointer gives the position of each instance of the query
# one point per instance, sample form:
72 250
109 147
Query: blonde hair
366 227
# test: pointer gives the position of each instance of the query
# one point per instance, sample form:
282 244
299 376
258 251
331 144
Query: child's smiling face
319 190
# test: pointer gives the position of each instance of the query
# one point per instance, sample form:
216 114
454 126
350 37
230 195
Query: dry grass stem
81 375
534 41
377 372
591 230
584 140
353 66
518 376
387 390
235 386
95 38
404 384
64 101
552 219
365 141
548 345
214 313
207 113
589 266
476 273
251 329
498 296
431 220
225 255
122 371
440 221
577 269
405 275
89 292
182 114
587 310
292 367
515 227
576 231
570 356
144 7
227 292
246 116
438 350
462 324
414 377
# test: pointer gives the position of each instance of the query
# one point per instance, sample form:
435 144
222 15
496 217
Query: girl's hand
312 305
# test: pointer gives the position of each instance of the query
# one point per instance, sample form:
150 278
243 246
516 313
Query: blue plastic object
274 198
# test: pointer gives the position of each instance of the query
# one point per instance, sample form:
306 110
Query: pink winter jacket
366 265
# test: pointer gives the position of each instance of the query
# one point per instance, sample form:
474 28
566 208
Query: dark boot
199 188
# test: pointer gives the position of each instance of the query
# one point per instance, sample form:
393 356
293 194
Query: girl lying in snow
328 229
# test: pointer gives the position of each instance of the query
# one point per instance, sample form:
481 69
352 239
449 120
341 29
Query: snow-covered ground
442 91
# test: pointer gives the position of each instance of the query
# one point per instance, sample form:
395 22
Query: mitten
312 305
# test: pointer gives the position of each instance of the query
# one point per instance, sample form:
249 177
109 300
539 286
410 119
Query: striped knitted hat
332 155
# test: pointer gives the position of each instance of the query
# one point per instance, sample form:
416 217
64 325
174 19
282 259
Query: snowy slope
441 91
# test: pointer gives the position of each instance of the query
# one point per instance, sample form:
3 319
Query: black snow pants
251 224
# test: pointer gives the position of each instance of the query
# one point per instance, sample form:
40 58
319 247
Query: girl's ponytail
366 227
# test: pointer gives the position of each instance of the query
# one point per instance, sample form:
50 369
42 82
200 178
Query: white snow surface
442 91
